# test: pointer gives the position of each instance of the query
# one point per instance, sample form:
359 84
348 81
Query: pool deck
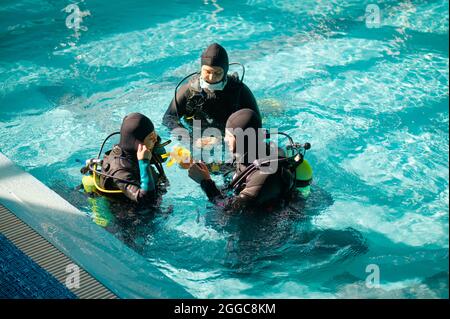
33 213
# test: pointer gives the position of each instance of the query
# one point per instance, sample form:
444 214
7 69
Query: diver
252 186
129 168
211 95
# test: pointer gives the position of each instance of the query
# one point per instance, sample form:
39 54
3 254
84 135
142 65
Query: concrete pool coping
116 266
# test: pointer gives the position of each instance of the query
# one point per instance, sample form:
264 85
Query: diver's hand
199 172
143 152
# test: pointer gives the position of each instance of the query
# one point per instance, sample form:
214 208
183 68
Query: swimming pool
372 99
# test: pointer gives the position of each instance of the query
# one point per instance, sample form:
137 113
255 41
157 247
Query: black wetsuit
258 190
125 166
261 187
136 178
212 108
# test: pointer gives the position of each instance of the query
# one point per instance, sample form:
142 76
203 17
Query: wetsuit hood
215 55
245 119
135 128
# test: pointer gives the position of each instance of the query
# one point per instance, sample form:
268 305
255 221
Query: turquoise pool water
372 99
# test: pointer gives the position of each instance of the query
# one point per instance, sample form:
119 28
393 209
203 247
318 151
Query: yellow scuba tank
91 182
303 170
101 214
88 184
303 176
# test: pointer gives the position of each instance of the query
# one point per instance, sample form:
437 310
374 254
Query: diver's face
230 140
150 140
212 74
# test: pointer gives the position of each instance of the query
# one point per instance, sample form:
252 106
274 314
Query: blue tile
22 278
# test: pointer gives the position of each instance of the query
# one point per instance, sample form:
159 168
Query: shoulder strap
194 84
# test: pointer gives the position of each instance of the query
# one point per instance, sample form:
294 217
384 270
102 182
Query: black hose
176 90
243 69
110 176
103 144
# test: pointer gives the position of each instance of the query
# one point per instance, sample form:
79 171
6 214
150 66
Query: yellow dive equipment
303 175
179 155
90 182
182 156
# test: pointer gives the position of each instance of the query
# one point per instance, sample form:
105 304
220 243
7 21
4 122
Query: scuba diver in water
129 168
211 95
253 186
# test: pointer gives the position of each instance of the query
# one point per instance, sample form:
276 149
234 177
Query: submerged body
255 184
132 169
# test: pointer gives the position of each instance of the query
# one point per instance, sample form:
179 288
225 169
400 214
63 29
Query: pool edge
76 236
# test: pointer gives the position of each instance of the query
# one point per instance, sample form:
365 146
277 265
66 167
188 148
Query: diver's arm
239 202
235 203
199 173
147 181
139 194
211 190
247 100
173 114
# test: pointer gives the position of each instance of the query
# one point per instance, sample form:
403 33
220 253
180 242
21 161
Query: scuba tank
294 161
301 168
303 171
303 178
90 181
